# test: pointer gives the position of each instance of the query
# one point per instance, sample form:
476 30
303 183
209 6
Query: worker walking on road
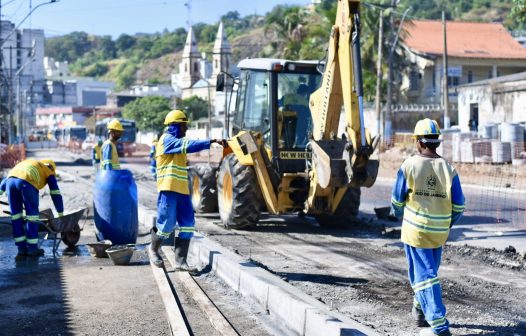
96 154
173 203
22 186
429 195
110 157
153 161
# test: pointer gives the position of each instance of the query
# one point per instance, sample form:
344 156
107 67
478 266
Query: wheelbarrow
67 225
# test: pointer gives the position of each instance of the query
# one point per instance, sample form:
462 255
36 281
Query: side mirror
220 83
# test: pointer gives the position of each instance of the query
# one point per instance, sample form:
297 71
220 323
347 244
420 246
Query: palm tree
288 24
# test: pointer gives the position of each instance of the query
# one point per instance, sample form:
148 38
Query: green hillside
287 31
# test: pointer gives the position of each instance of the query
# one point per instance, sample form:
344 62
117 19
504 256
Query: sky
114 17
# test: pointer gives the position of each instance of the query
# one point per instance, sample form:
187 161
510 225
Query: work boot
181 253
153 249
430 332
22 253
35 252
418 317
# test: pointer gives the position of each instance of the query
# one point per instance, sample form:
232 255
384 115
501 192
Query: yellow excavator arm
339 163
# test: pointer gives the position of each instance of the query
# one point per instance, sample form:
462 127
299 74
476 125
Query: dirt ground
361 272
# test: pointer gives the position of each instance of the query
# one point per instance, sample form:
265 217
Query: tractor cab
273 100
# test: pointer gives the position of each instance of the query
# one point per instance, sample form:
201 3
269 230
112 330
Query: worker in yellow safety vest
153 161
110 157
22 186
428 193
173 203
96 154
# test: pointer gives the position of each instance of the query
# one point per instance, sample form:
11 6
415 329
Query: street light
2 42
19 116
24 19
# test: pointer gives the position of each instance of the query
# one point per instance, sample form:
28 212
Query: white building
56 69
197 76
492 101
23 72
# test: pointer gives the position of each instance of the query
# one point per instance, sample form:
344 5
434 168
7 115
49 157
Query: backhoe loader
286 155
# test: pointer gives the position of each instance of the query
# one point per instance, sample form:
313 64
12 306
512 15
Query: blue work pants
173 209
423 275
21 194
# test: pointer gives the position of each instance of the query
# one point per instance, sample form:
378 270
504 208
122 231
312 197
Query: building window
470 76
196 67
452 81
413 80
185 68
490 73
215 64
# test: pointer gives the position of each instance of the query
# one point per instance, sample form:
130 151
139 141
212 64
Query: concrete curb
289 307
175 317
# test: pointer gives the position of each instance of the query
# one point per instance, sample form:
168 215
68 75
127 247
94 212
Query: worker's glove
222 142
60 214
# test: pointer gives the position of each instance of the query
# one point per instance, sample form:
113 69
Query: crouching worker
173 203
22 186
428 194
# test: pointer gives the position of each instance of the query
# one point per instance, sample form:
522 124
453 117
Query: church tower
221 54
189 66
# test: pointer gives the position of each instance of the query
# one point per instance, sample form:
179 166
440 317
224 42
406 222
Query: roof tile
464 39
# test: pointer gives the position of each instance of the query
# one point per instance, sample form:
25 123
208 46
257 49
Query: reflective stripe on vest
172 172
114 162
32 171
427 214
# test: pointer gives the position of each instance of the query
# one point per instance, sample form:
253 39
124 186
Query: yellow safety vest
32 171
172 172
427 214
115 164
98 151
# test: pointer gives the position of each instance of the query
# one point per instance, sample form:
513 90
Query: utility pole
445 90
379 115
389 110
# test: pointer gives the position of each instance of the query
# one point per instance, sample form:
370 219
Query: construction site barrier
492 173
10 155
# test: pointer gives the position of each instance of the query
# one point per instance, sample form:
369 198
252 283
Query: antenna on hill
188 5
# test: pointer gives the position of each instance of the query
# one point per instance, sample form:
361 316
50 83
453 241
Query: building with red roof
476 51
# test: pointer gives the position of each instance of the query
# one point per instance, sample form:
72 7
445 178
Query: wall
498 102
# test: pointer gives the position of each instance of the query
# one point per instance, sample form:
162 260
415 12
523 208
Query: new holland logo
294 155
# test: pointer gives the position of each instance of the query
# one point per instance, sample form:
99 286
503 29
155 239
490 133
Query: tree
124 42
194 107
148 112
518 11
289 23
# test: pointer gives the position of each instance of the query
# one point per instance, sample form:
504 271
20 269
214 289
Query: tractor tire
345 214
70 238
203 188
238 194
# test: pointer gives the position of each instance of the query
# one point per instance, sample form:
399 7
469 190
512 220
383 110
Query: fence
493 175
10 155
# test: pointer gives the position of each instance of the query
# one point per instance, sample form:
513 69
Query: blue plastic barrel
115 205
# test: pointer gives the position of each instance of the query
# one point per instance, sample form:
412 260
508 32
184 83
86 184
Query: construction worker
96 154
22 186
428 193
110 157
153 161
173 203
